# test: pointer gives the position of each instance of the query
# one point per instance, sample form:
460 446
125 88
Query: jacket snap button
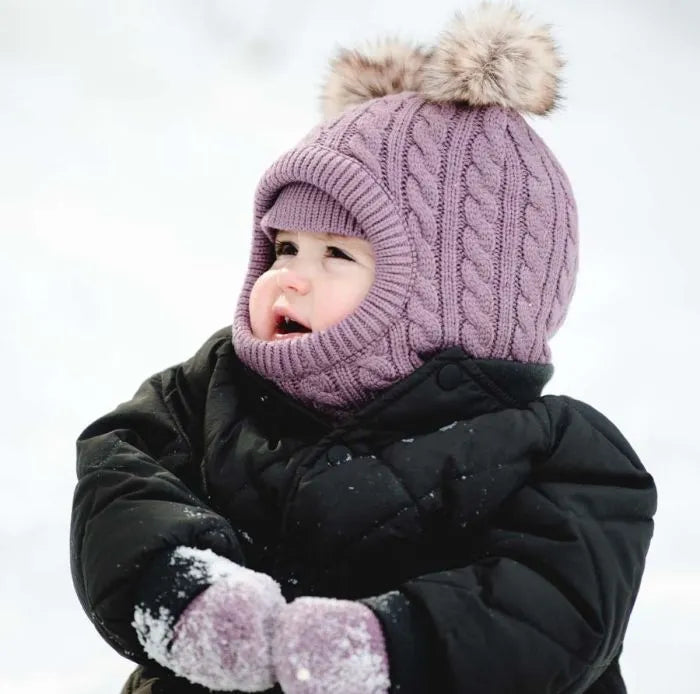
338 454
449 376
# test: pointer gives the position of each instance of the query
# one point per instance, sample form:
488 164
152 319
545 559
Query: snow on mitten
324 645
222 639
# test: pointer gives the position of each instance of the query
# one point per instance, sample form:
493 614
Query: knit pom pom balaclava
425 153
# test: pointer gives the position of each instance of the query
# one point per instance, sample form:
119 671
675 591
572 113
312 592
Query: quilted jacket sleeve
139 495
544 605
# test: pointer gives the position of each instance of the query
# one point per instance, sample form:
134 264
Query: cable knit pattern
423 163
536 242
500 242
483 181
567 274
370 132
327 396
376 368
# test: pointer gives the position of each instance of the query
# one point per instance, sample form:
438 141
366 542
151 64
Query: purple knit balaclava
471 218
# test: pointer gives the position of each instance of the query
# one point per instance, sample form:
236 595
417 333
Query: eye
335 252
284 248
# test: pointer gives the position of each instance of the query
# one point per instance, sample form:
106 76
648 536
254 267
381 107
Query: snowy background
132 135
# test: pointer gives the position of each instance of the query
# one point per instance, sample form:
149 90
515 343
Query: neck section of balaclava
473 226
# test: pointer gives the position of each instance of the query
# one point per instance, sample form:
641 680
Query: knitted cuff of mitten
410 642
324 645
220 638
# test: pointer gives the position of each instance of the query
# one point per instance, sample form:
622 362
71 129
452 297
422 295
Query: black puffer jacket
509 530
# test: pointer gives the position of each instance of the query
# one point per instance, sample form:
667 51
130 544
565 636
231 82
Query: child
361 489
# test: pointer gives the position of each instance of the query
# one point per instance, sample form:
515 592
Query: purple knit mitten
323 645
223 638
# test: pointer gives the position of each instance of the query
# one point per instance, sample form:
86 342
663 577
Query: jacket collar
448 387
453 386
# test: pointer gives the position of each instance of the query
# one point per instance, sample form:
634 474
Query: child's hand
323 645
222 639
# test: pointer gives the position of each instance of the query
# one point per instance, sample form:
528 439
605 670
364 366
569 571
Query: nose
289 279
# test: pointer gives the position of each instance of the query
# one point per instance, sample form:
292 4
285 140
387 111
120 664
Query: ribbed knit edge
364 197
412 661
303 207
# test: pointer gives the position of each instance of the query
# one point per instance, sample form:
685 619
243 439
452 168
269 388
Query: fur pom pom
495 56
386 67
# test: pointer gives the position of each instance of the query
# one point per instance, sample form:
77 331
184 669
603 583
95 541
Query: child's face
315 281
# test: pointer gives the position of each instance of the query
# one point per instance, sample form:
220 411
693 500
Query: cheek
262 297
341 298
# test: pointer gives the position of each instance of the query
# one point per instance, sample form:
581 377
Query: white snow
154 632
192 512
381 602
206 565
131 145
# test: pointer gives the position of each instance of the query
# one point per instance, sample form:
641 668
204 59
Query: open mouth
288 327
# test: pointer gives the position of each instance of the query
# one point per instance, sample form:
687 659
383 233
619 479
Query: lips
287 324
